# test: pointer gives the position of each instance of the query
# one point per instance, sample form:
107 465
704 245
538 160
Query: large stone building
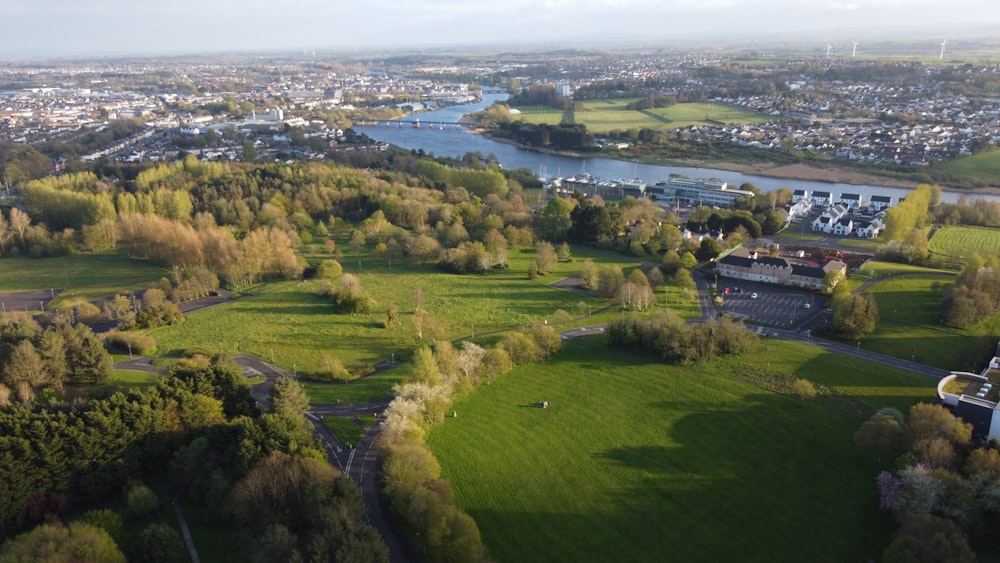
745 265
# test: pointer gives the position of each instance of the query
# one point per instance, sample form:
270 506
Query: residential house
867 229
844 226
851 201
827 221
799 195
800 208
879 203
822 199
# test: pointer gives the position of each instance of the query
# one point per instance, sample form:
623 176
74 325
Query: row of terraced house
747 265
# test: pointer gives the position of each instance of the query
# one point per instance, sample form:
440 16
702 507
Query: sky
67 28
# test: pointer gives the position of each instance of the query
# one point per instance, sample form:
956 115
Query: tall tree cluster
32 357
667 335
942 486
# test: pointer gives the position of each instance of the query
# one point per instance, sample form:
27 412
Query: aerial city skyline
64 28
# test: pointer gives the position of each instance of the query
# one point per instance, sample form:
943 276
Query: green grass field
81 276
684 115
289 322
119 380
602 116
984 166
641 461
346 428
909 328
955 241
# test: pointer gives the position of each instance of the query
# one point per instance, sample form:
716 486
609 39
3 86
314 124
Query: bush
138 343
141 501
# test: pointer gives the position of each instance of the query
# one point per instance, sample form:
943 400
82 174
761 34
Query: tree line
422 501
669 337
262 474
941 485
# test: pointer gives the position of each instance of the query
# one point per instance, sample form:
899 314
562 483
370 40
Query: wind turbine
941 57
828 47
854 51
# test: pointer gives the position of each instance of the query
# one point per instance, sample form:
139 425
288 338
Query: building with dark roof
745 265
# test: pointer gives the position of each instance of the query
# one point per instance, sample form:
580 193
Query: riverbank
801 172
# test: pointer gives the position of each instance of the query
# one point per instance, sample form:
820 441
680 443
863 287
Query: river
455 142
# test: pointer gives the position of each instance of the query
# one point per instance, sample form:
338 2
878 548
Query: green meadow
602 116
636 460
290 323
88 277
983 167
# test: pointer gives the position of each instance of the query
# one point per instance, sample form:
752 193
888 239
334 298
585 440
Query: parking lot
780 307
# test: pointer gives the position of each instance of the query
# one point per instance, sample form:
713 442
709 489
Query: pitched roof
808 271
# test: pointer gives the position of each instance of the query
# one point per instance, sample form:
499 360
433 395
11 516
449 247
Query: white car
753 296
807 306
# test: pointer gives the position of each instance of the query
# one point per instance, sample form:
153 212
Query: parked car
807 306
753 296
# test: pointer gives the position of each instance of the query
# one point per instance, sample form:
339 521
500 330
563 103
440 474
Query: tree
881 437
854 315
928 538
683 279
141 501
588 274
63 544
671 262
707 250
608 279
329 270
545 257
289 397
425 367
24 371
158 543
926 422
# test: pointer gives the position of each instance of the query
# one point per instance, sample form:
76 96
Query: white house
799 195
879 203
867 229
851 201
844 226
827 221
800 208
823 199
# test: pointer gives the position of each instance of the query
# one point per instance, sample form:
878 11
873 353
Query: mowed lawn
909 324
958 241
641 461
89 277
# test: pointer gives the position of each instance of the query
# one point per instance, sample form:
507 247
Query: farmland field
601 116
956 241
640 461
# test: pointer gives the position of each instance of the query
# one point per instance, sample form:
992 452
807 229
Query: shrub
137 343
